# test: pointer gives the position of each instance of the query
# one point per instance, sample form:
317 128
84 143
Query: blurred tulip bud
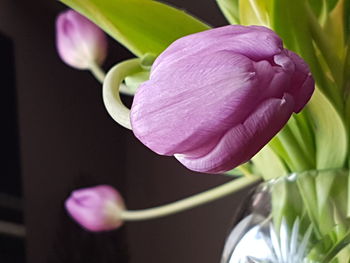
96 208
79 41
215 98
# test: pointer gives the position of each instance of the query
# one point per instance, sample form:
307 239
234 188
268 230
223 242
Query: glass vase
299 218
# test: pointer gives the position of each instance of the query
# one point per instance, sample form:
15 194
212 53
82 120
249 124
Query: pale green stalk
111 85
190 202
100 75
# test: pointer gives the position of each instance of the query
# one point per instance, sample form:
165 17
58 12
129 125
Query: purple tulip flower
79 41
215 98
96 208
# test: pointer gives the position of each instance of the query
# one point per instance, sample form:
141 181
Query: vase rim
294 175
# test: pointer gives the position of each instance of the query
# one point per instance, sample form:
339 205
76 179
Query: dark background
57 136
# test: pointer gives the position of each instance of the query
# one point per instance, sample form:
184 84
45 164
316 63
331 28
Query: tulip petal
79 41
96 208
273 80
243 141
255 42
302 84
190 108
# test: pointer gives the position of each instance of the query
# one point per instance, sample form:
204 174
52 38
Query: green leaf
317 6
254 12
307 187
346 14
268 164
331 4
143 26
296 36
285 201
277 147
330 133
300 127
230 10
335 29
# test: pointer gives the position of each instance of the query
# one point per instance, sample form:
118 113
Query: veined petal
302 83
190 108
241 142
255 42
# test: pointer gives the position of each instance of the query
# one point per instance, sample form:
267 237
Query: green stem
111 86
190 202
100 75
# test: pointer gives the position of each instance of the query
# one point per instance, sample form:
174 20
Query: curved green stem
190 202
111 86
100 75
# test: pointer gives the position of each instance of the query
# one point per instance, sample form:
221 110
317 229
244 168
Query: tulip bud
96 208
79 42
215 98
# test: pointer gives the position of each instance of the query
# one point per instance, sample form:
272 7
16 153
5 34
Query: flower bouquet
264 99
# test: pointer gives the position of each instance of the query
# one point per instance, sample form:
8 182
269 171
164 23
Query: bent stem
100 75
190 202
111 85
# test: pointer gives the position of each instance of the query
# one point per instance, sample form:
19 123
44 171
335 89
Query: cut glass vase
301 218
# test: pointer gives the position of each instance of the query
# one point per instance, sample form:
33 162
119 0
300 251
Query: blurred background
57 137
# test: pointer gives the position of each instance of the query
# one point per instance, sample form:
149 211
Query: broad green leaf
330 133
335 29
346 15
322 8
254 12
230 10
268 164
317 6
143 26
331 4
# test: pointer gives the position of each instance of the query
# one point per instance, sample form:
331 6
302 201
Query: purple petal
79 41
189 109
254 42
243 141
215 98
90 207
302 83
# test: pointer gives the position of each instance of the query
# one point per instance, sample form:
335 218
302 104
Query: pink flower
215 98
79 41
96 208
